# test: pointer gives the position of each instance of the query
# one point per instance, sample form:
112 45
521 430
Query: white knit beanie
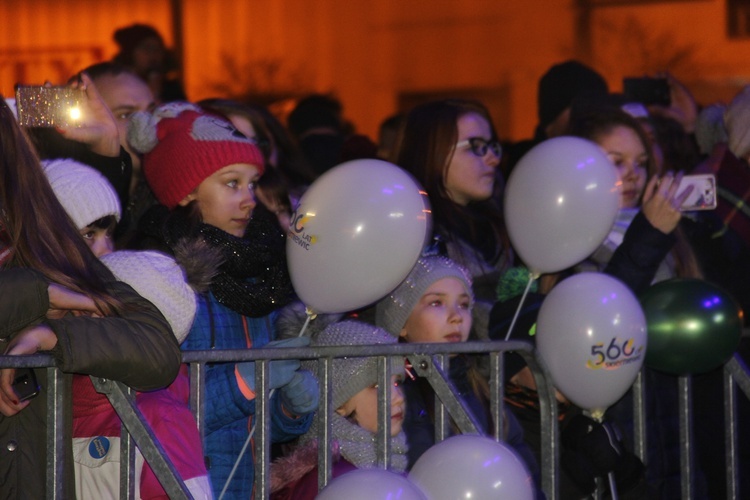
350 375
85 194
737 123
395 308
158 278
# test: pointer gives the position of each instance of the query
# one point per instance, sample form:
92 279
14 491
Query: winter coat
137 348
228 413
295 476
419 423
96 441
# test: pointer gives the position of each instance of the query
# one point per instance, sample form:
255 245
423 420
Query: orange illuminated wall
44 40
379 56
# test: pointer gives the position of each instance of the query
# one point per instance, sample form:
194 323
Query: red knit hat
183 145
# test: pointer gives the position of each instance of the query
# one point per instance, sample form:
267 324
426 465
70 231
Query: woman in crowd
56 297
452 149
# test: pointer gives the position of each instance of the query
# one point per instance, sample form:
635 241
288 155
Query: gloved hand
591 439
301 395
281 371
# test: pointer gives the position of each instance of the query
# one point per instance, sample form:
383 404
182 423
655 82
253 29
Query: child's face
226 199
98 239
443 314
362 408
626 151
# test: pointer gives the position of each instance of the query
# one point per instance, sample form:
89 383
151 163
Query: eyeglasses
480 146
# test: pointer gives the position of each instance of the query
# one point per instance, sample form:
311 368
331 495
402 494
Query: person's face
443 314
626 151
470 177
362 408
124 94
98 239
226 198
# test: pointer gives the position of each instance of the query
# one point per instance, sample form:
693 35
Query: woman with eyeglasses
451 148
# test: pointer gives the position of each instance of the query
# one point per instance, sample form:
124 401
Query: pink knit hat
183 145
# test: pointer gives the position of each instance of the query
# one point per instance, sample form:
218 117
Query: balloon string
612 485
242 452
310 316
532 277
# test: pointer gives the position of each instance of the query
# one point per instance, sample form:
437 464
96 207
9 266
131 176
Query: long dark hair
42 236
425 148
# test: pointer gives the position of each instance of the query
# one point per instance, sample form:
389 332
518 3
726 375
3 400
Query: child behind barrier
433 304
92 204
203 173
355 420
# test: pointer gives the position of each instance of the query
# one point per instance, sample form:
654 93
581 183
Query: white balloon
561 201
591 334
371 484
356 234
474 467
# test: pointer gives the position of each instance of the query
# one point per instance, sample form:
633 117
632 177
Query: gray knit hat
395 308
351 375
158 278
85 194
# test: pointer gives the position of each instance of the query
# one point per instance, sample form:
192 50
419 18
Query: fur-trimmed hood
291 468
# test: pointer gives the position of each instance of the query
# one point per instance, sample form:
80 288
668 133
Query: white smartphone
703 196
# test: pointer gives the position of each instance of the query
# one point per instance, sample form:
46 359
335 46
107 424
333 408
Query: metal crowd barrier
429 360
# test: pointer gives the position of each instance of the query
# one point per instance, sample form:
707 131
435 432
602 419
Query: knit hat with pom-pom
85 194
395 308
183 145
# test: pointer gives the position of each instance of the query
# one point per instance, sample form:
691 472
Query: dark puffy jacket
137 348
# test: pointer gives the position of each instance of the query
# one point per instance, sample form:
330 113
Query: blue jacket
229 414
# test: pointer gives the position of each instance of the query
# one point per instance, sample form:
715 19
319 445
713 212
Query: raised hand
661 202
98 128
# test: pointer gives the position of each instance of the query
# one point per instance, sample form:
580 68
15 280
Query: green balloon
693 326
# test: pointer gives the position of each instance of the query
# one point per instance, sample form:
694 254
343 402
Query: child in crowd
355 421
92 204
433 304
203 173
96 428
89 200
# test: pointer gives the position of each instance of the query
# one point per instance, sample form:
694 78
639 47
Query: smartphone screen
703 195
25 384
40 106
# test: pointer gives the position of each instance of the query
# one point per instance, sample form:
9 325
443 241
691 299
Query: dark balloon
693 326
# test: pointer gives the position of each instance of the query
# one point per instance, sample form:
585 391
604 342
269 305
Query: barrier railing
429 360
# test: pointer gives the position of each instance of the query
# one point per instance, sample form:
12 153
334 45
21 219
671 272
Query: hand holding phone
25 384
42 106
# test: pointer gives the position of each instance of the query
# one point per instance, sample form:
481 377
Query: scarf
253 279
358 445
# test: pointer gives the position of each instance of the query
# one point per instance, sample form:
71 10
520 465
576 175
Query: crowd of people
159 225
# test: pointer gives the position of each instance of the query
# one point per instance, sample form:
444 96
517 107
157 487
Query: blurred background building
381 56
